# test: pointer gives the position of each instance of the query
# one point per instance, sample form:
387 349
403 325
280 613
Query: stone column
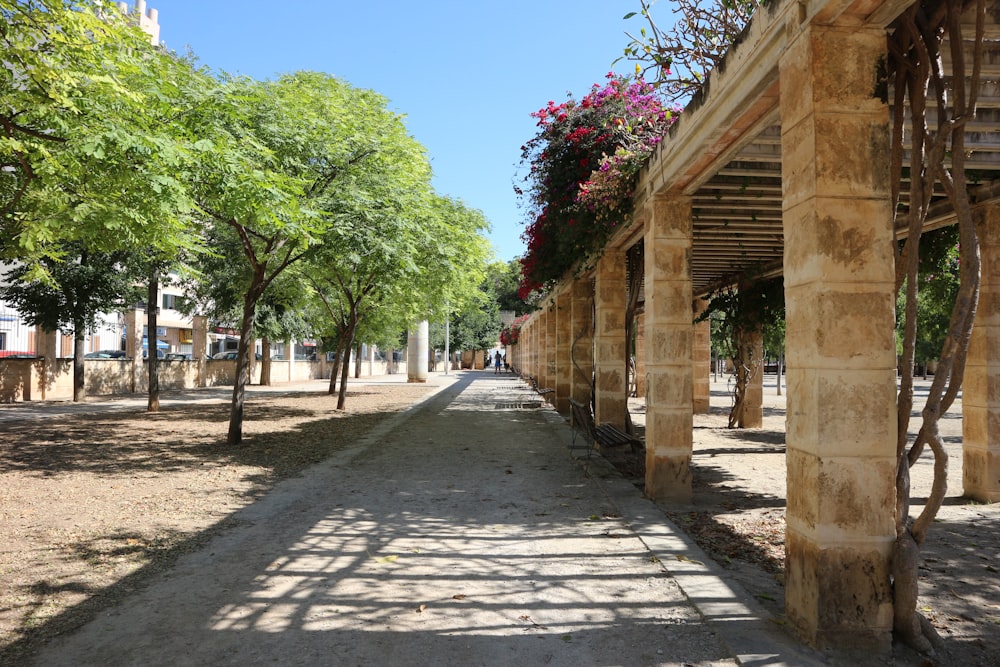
981 385
564 339
701 355
582 345
753 399
669 369
839 301
543 347
416 353
551 344
199 347
640 355
135 321
609 339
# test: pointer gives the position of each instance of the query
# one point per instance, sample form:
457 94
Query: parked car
105 354
14 354
230 354
176 356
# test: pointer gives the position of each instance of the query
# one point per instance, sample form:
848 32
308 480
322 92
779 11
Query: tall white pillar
416 353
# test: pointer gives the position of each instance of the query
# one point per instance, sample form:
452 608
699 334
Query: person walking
497 359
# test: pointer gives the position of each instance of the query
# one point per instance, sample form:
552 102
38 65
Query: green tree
272 154
82 286
89 150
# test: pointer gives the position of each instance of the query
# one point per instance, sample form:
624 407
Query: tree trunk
348 342
335 371
243 350
357 360
781 362
152 309
915 49
79 388
265 362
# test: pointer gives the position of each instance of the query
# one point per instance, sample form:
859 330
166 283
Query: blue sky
466 74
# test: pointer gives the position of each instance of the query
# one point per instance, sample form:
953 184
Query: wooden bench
605 435
541 391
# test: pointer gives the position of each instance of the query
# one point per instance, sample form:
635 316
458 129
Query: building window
173 301
3 340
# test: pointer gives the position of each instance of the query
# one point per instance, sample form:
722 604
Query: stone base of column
849 581
981 474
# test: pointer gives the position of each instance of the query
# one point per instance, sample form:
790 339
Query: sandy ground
739 509
94 505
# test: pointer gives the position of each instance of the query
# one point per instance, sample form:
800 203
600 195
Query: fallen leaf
387 559
460 596
421 608
685 559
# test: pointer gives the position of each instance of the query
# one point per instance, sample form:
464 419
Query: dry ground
738 516
91 505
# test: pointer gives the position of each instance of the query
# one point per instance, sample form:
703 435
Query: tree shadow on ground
164 441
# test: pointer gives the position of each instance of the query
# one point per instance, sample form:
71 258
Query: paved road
462 532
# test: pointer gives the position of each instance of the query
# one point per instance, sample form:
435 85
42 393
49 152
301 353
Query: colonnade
839 297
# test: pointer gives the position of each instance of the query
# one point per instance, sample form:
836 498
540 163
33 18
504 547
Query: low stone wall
26 379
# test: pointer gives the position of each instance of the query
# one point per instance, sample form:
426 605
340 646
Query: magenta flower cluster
584 162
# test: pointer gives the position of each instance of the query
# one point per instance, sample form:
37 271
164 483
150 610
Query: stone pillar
839 301
609 339
753 399
416 353
551 343
981 385
199 347
640 355
669 369
564 339
135 321
543 347
582 345
701 356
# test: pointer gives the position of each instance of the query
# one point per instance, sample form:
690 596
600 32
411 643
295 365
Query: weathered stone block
669 345
981 474
669 217
668 478
841 413
669 431
834 241
669 387
802 490
838 596
668 303
852 155
848 329
857 497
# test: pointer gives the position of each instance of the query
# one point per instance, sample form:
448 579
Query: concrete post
669 368
582 345
981 385
701 355
416 353
564 340
609 339
839 300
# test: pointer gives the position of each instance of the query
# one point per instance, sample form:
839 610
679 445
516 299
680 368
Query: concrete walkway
461 532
